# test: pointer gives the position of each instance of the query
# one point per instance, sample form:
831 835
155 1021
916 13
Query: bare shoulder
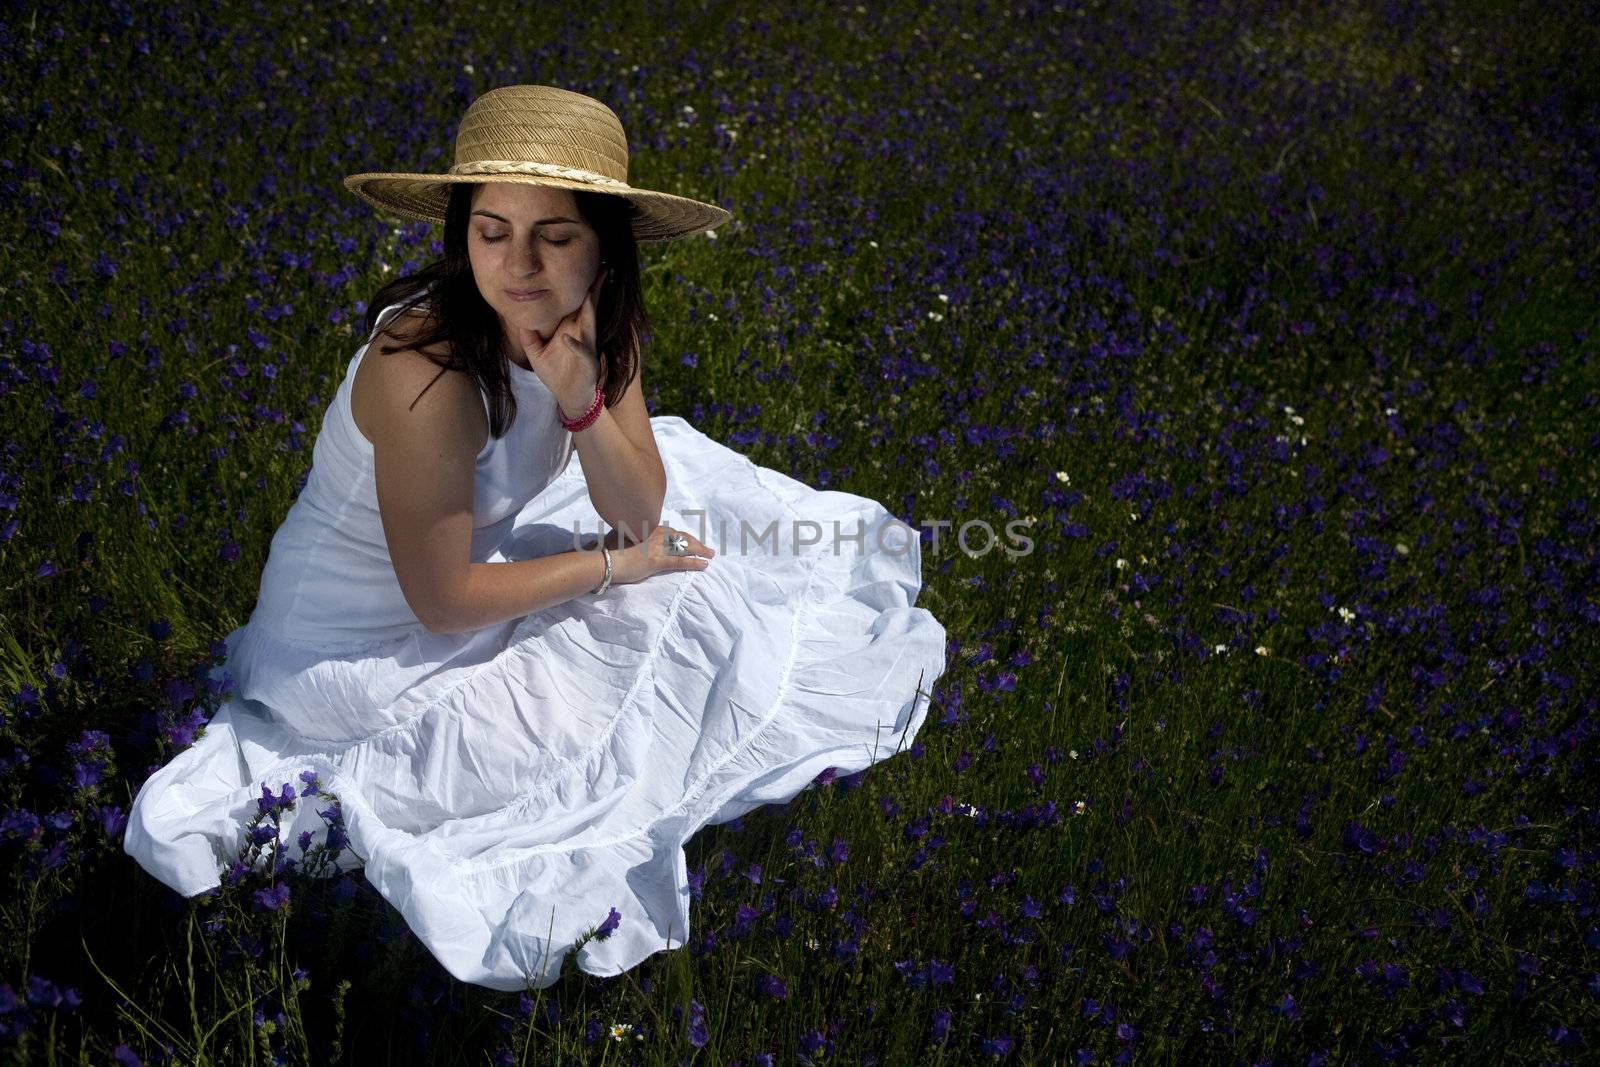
403 392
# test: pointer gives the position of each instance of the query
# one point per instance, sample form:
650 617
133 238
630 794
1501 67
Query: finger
697 553
535 344
586 315
575 316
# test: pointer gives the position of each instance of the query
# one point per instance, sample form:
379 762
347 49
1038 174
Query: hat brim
423 197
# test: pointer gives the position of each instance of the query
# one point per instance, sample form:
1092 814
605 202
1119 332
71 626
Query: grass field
1277 321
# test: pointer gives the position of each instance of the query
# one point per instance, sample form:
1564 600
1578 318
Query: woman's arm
627 481
423 454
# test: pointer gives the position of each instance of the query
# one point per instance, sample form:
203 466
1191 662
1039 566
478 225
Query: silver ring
677 545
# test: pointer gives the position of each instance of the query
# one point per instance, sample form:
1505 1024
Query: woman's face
530 237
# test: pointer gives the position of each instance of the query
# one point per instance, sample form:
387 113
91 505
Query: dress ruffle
507 788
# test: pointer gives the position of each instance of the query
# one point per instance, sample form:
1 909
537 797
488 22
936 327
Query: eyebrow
541 222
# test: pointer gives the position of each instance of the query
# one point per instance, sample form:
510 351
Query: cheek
486 268
572 267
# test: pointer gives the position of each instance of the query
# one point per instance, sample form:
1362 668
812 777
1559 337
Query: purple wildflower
273 897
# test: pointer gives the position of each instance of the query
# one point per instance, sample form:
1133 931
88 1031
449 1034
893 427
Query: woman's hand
635 561
567 362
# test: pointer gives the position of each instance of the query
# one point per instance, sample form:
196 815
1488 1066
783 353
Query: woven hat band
548 170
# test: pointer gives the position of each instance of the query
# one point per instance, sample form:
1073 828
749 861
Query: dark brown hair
471 330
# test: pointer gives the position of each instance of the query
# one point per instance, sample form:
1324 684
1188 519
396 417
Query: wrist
573 408
580 416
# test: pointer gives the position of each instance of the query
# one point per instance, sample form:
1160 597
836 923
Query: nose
525 260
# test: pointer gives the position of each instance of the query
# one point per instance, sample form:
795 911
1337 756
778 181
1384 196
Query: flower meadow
1274 323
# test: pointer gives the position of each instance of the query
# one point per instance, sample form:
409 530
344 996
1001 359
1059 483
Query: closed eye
563 241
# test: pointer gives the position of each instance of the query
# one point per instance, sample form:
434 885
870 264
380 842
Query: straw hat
540 135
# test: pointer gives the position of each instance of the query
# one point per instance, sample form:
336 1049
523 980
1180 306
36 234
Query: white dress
505 789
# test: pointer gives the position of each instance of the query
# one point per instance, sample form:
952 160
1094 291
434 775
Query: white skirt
507 788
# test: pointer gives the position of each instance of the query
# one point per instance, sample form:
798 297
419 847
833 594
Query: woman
523 731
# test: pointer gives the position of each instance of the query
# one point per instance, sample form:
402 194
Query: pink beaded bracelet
584 421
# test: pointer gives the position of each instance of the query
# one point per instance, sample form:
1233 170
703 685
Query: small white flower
1133 516
1391 411
1122 564
1346 614
711 234
1402 548
874 244
935 316
1061 476
811 942
620 1031
1219 650
1263 650
944 298
1072 753
1287 410
1297 420
466 68
1079 807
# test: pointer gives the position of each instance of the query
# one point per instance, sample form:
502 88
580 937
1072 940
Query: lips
525 294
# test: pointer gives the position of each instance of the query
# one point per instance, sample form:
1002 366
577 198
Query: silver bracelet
607 583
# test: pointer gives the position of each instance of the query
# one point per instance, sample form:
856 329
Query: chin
523 312
522 315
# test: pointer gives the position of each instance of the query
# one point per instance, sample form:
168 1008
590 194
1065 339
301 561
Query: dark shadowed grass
1278 323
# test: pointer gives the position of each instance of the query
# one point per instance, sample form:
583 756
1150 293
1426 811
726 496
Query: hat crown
544 125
